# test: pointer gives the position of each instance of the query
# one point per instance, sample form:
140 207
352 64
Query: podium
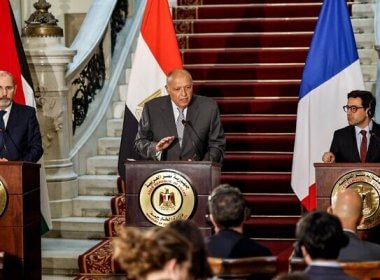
20 219
158 192
364 177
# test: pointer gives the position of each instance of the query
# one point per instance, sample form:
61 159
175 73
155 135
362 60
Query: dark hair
199 267
227 206
368 100
321 234
142 252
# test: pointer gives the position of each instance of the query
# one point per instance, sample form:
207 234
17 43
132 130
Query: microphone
196 148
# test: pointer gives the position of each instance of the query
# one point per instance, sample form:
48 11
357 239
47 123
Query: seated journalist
180 126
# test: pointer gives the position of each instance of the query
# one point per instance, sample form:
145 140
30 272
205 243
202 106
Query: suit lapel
354 148
168 117
374 143
191 116
12 120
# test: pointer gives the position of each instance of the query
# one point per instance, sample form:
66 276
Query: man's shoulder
344 130
157 100
20 107
203 100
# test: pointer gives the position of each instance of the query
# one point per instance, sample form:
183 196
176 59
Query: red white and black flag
156 55
13 60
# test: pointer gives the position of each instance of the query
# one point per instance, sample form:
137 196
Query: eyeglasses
352 108
6 89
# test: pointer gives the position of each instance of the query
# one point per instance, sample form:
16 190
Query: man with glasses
359 141
20 137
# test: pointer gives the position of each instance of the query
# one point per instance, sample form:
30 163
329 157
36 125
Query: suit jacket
232 244
22 137
316 272
359 250
345 148
203 137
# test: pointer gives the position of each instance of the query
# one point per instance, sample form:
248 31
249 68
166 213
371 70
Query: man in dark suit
320 238
20 137
180 126
348 207
359 141
228 212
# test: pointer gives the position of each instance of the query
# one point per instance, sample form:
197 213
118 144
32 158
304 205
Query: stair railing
94 74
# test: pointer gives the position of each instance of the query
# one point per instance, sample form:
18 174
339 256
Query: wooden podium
328 174
202 175
20 236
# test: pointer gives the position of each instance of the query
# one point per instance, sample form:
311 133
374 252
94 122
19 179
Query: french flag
156 55
13 60
332 70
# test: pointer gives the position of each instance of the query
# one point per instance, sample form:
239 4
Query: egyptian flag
13 60
332 70
156 55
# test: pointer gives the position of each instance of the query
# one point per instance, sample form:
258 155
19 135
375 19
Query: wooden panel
20 224
202 174
22 209
20 177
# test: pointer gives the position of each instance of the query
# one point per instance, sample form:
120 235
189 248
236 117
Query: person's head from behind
227 207
199 268
7 89
158 253
179 85
348 207
360 108
320 236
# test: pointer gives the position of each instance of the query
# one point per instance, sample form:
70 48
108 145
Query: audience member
348 207
199 268
228 212
155 254
320 238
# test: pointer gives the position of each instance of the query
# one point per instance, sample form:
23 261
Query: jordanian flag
13 60
156 55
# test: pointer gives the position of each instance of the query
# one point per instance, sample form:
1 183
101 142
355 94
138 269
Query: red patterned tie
363 146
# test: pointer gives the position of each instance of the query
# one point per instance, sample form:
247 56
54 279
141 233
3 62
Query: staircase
249 58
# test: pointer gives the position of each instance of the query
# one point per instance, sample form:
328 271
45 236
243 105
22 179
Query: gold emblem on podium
166 196
367 184
3 198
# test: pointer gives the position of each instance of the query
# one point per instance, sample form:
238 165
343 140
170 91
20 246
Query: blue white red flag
332 70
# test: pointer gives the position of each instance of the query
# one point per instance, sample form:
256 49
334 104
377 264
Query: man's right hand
164 143
328 157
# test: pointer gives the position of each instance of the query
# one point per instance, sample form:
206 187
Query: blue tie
2 129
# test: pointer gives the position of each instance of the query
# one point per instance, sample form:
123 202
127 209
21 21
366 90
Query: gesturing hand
164 143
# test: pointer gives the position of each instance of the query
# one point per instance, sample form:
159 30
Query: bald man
348 207
180 126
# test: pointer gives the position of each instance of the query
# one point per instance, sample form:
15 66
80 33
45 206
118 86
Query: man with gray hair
20 137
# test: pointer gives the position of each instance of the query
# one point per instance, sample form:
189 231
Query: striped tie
180 125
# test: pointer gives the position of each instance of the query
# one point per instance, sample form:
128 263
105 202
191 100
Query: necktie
2 129
180 125
363 146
